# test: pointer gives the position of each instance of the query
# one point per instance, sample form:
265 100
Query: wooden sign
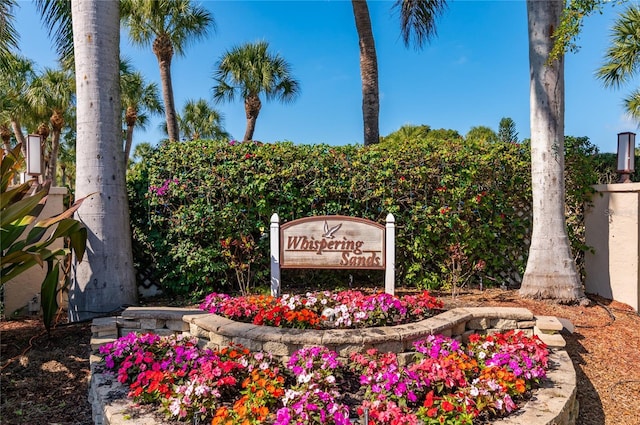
332 242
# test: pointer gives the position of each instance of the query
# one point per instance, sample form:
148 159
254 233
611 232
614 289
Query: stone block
526 324
151 323
128 323
210 322
197 331
250 344
177 325
504 324
276 348
389 346
302 337
220 340
346 350
552 340
266 333
459 329
163 313
379 335
163 332
106 334
102 324
405 358
478 324
548 324
516 313
342 336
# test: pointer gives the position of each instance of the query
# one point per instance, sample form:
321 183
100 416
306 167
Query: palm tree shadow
591 411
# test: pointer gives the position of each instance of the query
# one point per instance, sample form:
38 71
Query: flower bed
315 376
324 310
445 383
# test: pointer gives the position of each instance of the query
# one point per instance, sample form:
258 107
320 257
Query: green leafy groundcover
446 382
200 210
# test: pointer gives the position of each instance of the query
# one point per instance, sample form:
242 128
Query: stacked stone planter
555 403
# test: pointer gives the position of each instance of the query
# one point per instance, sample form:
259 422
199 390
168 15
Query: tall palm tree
168 26
249 71
368 73
417 24
53 93
14 86
138 99
105 281
8 34
551 271
199 120
622 59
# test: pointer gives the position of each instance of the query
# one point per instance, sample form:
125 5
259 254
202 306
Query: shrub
462 208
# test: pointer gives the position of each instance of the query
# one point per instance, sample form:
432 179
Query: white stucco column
612 230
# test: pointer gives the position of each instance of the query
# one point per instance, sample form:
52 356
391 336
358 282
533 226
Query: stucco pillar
611 229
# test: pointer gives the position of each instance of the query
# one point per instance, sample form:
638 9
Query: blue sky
474 72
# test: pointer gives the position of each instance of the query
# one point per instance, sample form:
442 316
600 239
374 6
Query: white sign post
333 242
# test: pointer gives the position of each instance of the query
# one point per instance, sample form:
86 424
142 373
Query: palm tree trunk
17 132
164 51
53 158
104 281
252 106
550 271
127 146
368 72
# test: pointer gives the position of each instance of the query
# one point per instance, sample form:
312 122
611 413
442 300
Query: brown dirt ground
44 378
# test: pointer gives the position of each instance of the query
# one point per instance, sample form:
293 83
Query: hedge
200 210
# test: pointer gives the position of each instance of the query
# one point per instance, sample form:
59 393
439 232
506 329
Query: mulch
44 378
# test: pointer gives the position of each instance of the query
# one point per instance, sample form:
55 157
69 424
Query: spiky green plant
20 206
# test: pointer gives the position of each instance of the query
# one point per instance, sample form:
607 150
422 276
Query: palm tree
199 120
551 271
622 59
249 71
417 23
105 281
8 34
53 93
14 85
138 98
368 73
168 26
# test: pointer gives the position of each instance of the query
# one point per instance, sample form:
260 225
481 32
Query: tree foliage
446 194
622 60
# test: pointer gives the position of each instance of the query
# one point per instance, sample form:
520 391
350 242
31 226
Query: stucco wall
611 229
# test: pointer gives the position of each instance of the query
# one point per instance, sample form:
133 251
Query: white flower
174 407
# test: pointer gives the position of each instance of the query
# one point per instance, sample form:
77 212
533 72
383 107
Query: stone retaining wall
555 403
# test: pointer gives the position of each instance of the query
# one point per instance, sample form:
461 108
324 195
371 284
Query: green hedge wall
200 210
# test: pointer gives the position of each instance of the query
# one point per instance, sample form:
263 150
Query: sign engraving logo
332 242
